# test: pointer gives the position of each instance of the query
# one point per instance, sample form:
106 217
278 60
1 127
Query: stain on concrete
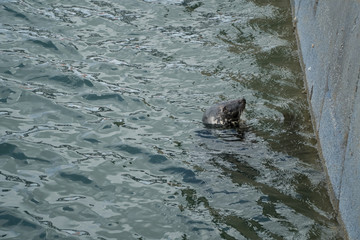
329 40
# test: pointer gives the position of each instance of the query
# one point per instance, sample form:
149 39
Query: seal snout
241 105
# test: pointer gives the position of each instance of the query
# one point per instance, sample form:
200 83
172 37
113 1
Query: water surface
101 134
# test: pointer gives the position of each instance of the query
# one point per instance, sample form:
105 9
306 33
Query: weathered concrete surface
329 40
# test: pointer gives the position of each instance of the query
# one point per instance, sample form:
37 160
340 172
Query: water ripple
101 134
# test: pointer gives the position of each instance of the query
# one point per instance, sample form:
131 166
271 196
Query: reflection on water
101 133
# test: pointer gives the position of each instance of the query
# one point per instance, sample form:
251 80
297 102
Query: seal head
225 113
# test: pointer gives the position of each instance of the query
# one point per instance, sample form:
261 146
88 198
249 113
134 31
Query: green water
100 123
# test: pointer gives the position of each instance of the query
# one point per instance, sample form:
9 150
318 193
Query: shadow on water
248 175
281 181
292 133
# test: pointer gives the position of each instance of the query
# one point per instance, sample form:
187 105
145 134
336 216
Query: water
101 133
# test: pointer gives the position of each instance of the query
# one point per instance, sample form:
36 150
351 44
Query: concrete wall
329 41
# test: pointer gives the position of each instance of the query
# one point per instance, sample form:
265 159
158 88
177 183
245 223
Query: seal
225 114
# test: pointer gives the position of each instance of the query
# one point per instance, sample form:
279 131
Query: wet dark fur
225 114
